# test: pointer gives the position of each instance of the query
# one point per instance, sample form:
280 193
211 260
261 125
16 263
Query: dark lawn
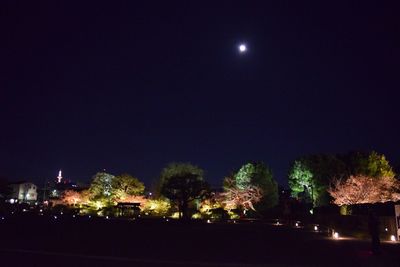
43 241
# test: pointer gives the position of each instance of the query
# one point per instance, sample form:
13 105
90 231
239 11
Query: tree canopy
183 189
125 185
182 183
311 176
101 186
252 184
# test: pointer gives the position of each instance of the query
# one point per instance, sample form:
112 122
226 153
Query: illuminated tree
300 177
71 197
253 178
309 177
364 189
157 207
243 196
101 187
368 164
124 186
184 188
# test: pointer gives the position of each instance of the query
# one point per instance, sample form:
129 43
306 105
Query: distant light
392 238
167 220
297 224
234 221
12 201
41 210
73 216
90 216
24 210
208 221
336 235
61 213
2 218
107 217
316 228
242 48
55 217
311 211
386 229
150 193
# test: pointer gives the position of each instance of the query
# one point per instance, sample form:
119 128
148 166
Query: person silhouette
373 225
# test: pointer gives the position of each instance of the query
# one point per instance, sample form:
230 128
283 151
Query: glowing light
167 220
2 218
59 177
242 48
392 238
311 211
55 217
297 224
208 221
61 213
90 216
73 216
315 228
336 235
107 217
386 229
41 210
12 201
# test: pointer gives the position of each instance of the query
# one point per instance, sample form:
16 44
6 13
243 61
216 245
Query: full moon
242 48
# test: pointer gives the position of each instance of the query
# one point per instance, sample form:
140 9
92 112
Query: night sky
130 87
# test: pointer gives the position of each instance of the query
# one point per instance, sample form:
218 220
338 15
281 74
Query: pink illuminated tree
240 197
364 189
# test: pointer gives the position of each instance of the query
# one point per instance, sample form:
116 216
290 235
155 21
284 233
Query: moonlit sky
130 86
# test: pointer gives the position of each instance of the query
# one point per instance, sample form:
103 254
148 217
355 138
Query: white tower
59 177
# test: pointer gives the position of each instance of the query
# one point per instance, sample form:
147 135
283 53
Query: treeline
343 179
319 180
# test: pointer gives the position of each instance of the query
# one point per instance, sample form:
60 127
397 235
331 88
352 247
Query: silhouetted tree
183 188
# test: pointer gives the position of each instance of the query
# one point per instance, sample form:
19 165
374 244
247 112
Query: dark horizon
131 87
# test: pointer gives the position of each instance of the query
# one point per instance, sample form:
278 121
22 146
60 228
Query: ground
67 241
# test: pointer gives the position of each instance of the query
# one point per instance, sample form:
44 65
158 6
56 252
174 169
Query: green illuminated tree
300 177
310 176
101 186
369 164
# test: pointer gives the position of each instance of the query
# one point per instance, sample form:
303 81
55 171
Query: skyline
130 88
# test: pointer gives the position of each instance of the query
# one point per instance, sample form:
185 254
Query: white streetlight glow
336 235
242 48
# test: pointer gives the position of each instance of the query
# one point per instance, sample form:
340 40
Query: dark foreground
98 242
